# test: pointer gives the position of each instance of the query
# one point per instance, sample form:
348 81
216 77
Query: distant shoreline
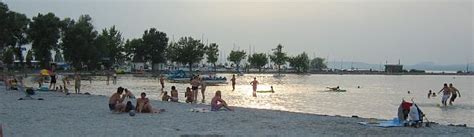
156 73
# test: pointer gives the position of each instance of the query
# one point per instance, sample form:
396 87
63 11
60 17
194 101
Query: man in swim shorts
455 92
194 87
446 93
115 101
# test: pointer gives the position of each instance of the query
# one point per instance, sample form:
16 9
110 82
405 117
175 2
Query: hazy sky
371 31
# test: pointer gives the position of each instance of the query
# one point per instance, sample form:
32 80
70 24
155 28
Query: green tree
79 47
258 60
44 33
134 50
58 57
110 44
318 63
300 62
236 57
8 57
212 53
279 57
186 51
13 28
29 58
156 42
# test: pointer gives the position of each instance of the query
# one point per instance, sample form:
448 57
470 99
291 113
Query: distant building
393 68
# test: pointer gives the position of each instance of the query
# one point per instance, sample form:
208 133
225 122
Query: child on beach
162 82
189 95
174 94
165 96
217 102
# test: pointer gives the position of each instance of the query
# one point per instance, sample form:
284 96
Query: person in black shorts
454 93
52 83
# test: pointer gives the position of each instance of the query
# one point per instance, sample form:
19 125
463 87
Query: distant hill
420 66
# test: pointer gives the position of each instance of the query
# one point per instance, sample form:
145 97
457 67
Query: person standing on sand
116 101
115 77
446 93
194 87
65 81
52 83
454 92
233 82
203 89
162 81
77 83
217 102
254 86
107 73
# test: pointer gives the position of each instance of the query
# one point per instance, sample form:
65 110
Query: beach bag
30 91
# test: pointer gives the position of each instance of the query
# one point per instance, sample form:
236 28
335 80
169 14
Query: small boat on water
279 75
180 76
212 80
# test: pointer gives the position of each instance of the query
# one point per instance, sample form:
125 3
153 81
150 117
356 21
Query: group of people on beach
449 93
121 100
143 105
65 82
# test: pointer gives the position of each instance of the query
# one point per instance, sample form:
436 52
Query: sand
88 115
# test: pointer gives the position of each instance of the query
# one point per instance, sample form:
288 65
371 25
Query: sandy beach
88 115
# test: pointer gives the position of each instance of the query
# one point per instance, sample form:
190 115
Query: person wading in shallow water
454 93
233 82
254 84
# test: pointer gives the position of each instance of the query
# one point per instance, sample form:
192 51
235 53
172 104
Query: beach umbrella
44 72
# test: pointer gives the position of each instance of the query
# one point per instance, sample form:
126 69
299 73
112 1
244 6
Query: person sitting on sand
217 102
174 94
189 95
116 101
165 96
144 105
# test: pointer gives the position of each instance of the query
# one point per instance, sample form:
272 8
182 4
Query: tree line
84 48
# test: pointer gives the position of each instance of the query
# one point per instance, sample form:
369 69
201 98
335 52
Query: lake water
378 97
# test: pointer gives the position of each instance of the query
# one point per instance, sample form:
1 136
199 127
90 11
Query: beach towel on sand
383 123
203 110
